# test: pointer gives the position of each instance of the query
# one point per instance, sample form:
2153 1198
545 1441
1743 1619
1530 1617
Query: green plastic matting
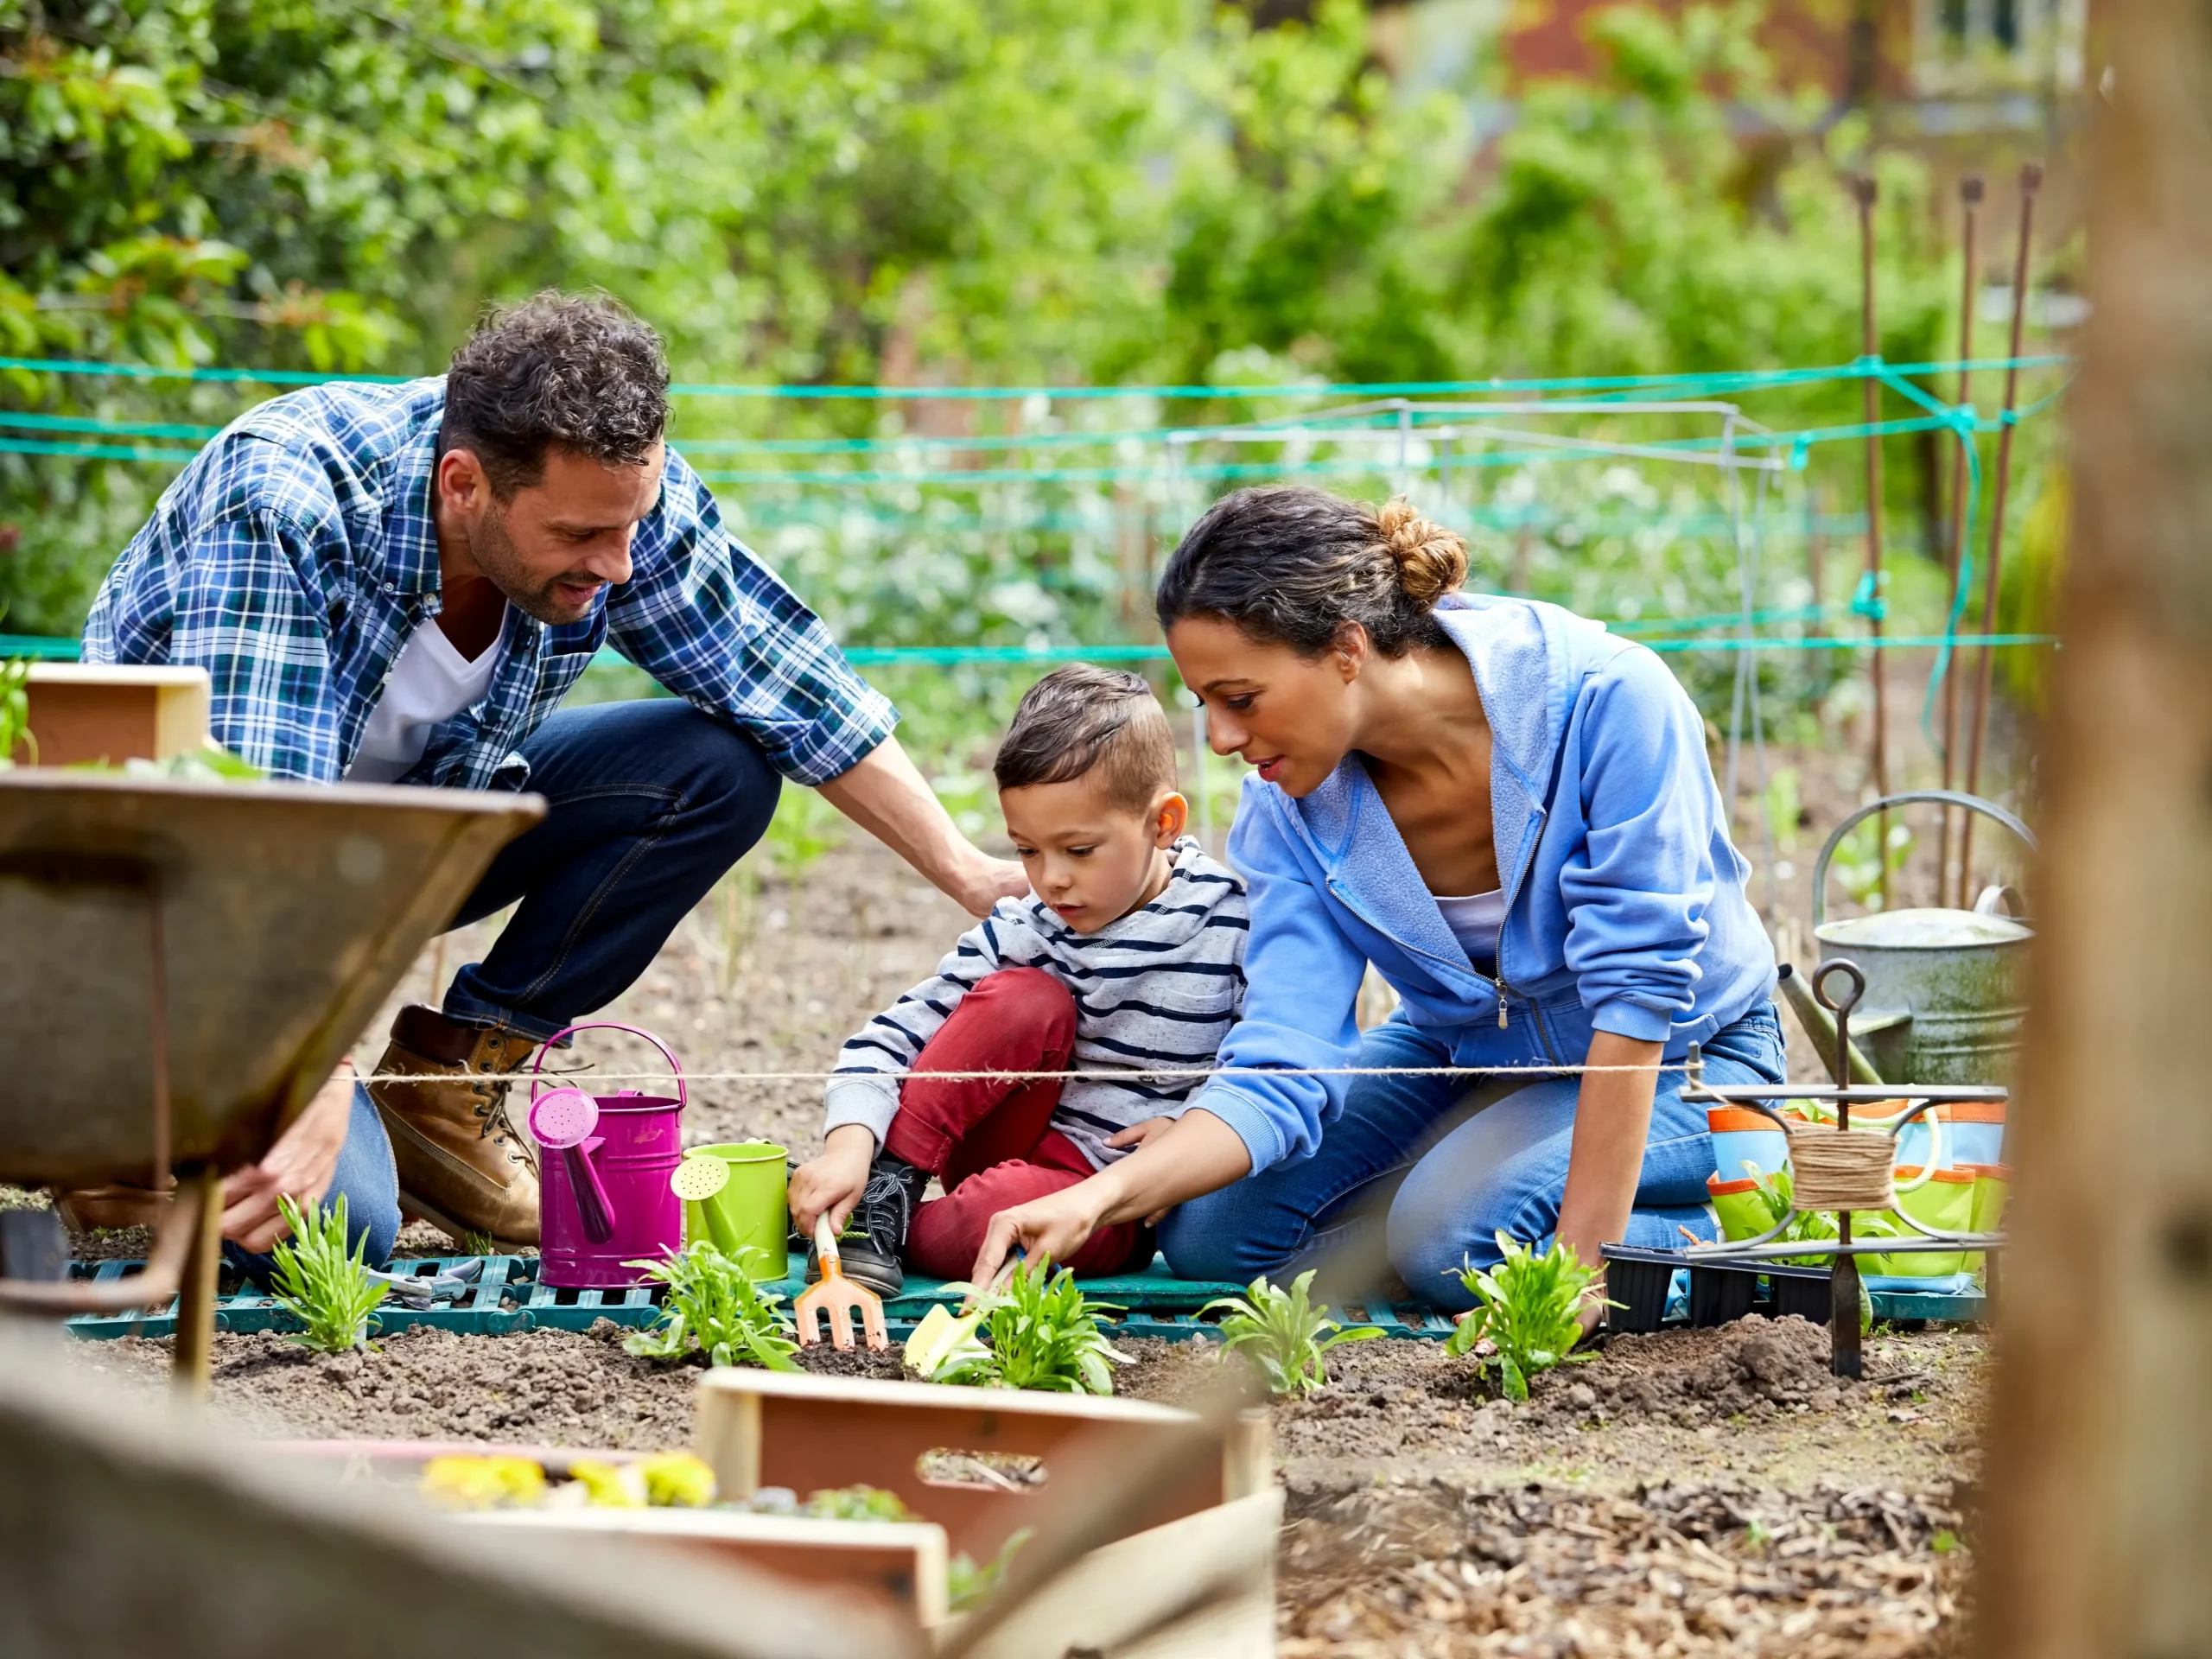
507 1296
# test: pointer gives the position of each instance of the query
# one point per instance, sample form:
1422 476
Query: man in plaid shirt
398 584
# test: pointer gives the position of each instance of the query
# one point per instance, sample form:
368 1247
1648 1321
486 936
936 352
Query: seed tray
506 1297
1721 1290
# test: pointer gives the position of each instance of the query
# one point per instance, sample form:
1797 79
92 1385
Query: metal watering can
1946 989
604 1198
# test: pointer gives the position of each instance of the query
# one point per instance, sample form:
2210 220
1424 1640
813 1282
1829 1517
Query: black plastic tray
1720 1289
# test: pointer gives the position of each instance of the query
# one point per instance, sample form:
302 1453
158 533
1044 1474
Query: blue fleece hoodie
1625 905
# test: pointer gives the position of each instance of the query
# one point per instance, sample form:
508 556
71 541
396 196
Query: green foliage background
940 192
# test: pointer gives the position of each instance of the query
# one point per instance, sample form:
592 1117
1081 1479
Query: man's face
554 545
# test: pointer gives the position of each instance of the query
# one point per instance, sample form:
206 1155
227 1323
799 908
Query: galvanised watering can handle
1944 796
667 1053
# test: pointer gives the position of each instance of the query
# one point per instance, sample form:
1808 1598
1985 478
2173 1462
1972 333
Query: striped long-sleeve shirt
1157 990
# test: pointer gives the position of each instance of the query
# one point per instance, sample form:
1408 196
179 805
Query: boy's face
1091 861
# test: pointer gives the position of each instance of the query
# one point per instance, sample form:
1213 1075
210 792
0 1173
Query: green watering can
1946 989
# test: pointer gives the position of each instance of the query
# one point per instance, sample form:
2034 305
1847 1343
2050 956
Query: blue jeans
1442 1168
649 803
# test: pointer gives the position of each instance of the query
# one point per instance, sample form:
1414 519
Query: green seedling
714 1305
1043 1334
1284 1335
1527 1307
968 1585
323 1285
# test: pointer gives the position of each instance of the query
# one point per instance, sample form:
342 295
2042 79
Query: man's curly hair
580 372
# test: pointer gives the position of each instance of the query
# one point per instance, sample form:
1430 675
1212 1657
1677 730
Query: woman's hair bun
1432 561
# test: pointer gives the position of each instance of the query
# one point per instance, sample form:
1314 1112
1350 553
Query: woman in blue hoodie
1508 812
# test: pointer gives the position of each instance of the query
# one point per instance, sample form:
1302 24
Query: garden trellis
1051 525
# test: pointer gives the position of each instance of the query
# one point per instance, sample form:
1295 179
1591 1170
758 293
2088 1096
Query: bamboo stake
1970 189
1866 190
2031 180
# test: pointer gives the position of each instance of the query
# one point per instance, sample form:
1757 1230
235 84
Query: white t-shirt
431 683
1476 919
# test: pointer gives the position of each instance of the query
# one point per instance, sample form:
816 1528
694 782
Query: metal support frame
1842 1250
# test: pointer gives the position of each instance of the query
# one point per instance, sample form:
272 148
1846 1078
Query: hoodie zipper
1536 816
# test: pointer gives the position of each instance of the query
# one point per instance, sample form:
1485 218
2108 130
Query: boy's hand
832 1184
1137 1133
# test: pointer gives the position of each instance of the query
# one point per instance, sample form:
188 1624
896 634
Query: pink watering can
604 1198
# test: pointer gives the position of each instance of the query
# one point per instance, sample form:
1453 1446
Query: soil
1685 1493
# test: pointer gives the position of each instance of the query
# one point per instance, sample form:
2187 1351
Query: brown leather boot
462 1164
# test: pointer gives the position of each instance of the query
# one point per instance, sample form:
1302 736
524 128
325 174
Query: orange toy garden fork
836 1298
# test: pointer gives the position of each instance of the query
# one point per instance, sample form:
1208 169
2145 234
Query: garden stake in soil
1986 665
1844 1359
1969 295
1871 347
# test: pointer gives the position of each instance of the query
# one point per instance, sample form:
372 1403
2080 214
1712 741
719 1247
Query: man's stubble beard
496 556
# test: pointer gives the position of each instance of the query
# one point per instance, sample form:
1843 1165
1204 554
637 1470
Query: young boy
1127 956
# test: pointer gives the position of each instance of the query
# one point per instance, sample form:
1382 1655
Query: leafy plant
1527 1305
1043 1334
968 1585
714 1305
15 711
321 1283
1281 1333
856 1504
1858 868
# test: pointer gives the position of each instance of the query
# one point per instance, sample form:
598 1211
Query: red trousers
991 1143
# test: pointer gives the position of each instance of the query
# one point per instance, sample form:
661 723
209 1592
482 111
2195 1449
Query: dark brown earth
1690 1492
1687 1493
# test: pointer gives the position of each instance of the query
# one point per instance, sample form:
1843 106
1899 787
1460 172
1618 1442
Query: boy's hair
1079 717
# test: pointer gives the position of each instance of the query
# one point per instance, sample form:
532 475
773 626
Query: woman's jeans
649 803
1441 1169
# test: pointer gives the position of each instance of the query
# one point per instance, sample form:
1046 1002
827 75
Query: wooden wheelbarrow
183 965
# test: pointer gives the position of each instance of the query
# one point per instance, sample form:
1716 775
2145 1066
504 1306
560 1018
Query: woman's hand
1179 1160
299 1168
1055 1226
832 1183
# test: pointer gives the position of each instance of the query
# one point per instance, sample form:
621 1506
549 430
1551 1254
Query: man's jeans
1442 1169
649 803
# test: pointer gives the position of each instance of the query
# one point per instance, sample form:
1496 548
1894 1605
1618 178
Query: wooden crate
88 711
767 1429
896 1567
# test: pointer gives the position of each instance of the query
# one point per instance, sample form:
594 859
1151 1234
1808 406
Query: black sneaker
875 1232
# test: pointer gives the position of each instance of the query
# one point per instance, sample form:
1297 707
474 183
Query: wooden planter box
1208 1546
87 711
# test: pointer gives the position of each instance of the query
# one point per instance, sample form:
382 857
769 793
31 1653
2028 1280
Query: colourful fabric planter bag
1977 1132
1745 1141
1742 1213
1937 1197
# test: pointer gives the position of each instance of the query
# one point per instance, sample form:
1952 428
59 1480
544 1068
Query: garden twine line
1133 1075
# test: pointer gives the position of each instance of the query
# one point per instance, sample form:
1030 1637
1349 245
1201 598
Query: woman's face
1291 716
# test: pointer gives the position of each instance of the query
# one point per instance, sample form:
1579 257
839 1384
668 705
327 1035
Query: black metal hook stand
1846 1356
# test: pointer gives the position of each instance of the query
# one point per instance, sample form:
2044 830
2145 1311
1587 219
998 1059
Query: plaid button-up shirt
296 554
